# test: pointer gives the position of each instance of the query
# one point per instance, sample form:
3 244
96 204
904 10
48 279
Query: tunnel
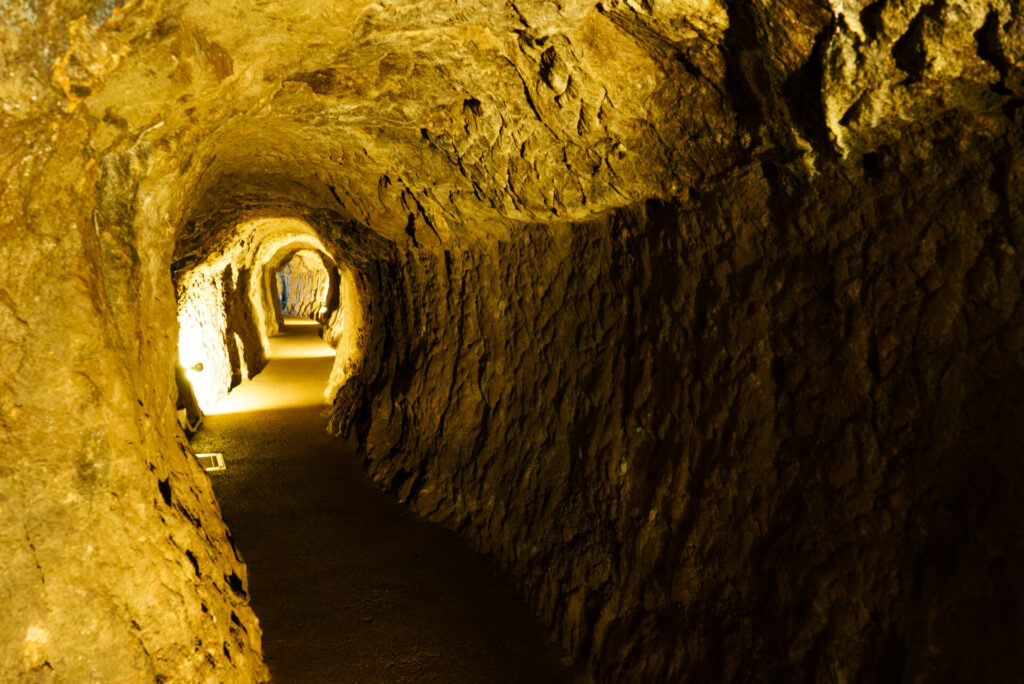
690 334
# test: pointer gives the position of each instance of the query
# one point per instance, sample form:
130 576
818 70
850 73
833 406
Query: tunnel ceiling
434 118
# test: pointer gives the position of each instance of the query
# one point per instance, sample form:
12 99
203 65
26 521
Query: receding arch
228 306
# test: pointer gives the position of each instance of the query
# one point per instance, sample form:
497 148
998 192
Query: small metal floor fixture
212 461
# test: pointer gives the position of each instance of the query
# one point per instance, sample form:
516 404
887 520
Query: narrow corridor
348 585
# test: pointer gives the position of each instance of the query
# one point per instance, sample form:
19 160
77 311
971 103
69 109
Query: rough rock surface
229 305
676 510
703 318
306 285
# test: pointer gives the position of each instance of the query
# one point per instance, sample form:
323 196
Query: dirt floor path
348 585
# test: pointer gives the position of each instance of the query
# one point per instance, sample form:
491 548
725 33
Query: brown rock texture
702 318
306 278
761 429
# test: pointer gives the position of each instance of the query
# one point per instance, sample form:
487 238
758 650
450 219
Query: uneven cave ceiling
441 118
748 426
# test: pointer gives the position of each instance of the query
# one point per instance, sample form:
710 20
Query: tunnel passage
231 302
714 347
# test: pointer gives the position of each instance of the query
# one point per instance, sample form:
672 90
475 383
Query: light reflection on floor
296 374
300 342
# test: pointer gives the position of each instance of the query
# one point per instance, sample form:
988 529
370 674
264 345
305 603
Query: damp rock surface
701 318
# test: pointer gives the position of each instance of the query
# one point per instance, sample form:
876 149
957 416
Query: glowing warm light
193 357
214 354
190 346
299 365
304 352
304 347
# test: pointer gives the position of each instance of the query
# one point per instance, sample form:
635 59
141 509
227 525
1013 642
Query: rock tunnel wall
94 468
758 433
306 283
218 329
346 328
765 426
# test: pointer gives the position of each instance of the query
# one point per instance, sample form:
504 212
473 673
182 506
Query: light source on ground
192 355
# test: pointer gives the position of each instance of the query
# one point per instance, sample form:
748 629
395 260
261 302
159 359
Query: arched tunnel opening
237 298
331 561
639 342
